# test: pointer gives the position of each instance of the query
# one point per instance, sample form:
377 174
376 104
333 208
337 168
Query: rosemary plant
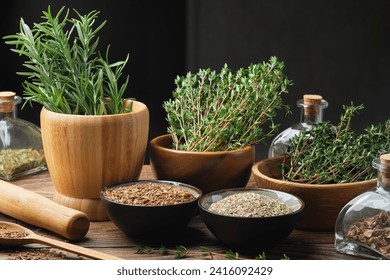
66 73
224 111
329 154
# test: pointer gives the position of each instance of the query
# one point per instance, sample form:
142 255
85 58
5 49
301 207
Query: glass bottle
363 225
21 150
312 107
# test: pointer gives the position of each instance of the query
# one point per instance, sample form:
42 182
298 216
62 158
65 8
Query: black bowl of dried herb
250 218
150 207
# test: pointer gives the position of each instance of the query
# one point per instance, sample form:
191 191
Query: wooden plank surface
106 237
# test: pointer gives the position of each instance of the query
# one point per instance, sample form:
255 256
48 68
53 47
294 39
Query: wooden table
106 237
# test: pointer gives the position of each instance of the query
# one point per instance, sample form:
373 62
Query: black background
339 49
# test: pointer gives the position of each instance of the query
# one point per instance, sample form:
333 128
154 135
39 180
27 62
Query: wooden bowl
323 202
209 171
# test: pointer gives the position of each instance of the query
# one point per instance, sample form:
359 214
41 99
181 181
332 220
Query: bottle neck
383 177
8 105
312 118
312 113
9 115
383 180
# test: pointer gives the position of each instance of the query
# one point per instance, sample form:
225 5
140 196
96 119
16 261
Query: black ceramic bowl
250 233
139 221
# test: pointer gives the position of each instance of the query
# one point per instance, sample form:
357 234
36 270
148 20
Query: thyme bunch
212 111
331 155
65 72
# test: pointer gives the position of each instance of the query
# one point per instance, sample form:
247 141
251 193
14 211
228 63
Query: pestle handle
40 211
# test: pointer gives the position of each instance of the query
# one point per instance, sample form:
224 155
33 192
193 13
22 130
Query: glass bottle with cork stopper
363 225
312 106
21 150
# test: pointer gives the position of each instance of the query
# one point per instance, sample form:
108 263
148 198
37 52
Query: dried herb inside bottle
14 162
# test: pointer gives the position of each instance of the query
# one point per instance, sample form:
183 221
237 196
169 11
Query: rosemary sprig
329 154
65 72
212 111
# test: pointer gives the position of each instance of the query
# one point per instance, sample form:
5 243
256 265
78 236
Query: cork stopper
312 99
312 102
7 101
385 171
385 159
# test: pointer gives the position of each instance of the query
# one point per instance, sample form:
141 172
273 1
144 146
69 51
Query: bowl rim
153 143
300 209
138 108
173 183
256 172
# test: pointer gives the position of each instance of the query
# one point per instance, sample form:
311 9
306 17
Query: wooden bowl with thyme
150 207
209 171
251 219
323 202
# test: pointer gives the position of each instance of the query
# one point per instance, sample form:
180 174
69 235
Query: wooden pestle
40 211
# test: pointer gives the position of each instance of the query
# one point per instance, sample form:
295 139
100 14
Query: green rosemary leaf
65 73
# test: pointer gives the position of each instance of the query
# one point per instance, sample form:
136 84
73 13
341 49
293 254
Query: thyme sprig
65 72
212 111
330 155
181 252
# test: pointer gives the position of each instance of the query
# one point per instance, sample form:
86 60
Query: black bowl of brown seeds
253 219
150 207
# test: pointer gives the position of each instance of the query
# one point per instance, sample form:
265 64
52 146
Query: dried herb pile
14 234
223 111
148 194
373 231
249 204
8 233
331 155
40 254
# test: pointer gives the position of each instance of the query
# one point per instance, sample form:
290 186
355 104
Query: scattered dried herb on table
40 254
148 194
15 161
249 204
373 231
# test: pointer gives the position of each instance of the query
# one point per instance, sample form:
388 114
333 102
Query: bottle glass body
363 225
310 115
21 150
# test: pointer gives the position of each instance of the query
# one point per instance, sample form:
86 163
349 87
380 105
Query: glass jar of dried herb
21 150
363 225
312 107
